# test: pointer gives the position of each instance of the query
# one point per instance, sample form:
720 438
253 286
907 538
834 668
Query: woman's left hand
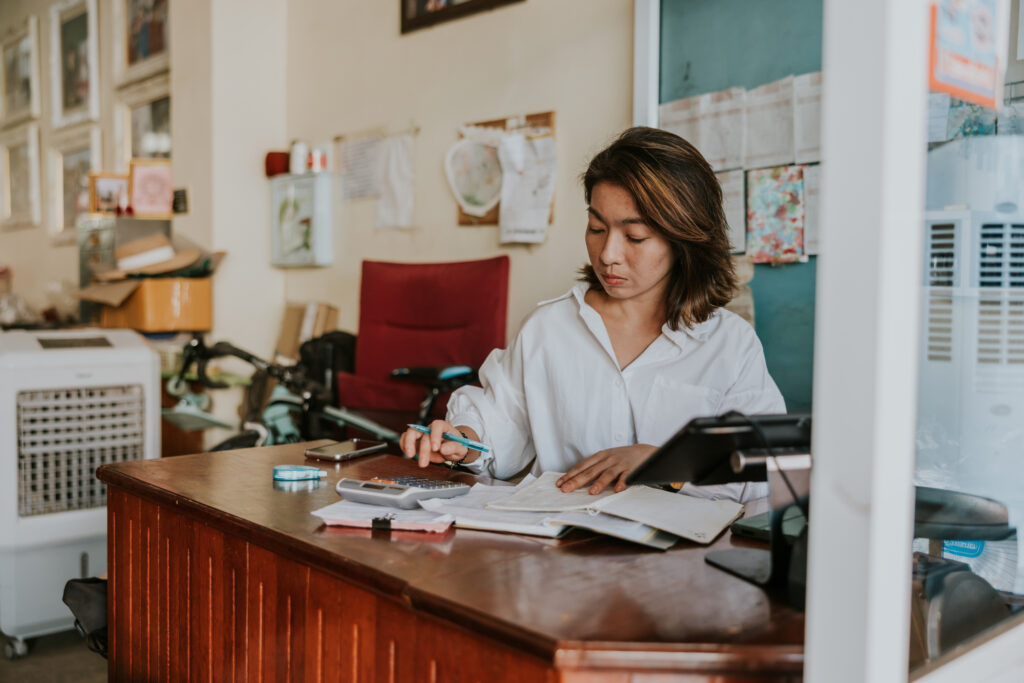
604 468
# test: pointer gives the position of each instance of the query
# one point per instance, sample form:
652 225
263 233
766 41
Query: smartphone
345 450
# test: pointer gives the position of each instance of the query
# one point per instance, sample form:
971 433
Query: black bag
87 599
325 356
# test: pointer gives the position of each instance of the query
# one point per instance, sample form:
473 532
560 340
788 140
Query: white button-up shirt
557 395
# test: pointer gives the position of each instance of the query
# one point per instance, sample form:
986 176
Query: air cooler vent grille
940 272
65 434
1001 314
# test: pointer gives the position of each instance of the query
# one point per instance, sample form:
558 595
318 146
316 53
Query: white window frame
866 345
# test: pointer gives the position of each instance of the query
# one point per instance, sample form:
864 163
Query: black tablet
699 453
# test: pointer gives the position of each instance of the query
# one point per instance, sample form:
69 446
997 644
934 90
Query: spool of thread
276 163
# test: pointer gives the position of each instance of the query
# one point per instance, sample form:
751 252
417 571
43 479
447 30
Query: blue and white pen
468 443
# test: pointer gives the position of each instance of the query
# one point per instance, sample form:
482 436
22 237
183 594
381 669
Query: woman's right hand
428 448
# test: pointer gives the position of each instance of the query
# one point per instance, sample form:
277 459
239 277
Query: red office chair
435 323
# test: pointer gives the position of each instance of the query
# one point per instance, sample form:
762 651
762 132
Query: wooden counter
215 574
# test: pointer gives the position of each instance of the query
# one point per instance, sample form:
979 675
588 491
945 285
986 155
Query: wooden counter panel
266 590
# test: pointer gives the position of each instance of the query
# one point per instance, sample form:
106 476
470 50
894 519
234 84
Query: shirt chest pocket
669 405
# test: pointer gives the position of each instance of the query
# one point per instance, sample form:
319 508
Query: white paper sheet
769 119
470 512
697 519
938 117
722 128
395 182
541 495
812 208
349 513
528 165
618 527
734 203
682 117
807 117
360 163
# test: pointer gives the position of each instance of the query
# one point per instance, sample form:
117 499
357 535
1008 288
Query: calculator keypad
419 482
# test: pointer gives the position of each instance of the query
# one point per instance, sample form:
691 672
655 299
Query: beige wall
248 76
349 69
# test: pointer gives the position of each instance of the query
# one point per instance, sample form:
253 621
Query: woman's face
631 259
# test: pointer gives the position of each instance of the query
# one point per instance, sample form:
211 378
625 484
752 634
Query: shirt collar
698 332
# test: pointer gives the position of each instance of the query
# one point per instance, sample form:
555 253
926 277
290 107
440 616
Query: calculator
398 492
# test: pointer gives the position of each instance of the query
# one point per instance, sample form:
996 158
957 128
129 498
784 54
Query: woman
597 379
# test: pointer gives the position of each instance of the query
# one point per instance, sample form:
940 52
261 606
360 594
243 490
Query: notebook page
697 519
470 512
542 495
616 526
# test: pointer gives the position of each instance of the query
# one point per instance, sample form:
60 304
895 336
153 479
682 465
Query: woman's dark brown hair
678 195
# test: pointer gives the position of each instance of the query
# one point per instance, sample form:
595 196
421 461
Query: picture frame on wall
301 223
142 122
74 62
106 191
19 74
140 40
74 156
151 188
417 14
19 177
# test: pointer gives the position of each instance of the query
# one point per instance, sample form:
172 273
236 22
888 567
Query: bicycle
299 396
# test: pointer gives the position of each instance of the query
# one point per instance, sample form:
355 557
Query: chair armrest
442 377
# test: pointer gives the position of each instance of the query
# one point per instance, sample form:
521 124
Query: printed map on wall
775 214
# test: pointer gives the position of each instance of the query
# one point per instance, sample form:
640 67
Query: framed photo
151 188
106 191
19 74
142 122
417 14
19 177
74 156
140 39
74 62
301 233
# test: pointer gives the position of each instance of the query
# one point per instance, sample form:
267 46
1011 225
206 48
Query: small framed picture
74 155
19 177
151 188
418 14
140 39
301 217
142 126
74 62
19 74
106 192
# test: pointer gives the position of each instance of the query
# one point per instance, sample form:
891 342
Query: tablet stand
784 566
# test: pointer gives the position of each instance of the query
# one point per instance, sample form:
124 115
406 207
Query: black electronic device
345 450
758 527
701 452
734 447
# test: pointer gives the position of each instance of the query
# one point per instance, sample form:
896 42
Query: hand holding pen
442 443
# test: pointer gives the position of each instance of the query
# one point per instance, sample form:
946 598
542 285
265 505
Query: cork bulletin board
540 120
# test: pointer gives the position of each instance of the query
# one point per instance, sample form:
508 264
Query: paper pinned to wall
528 164
681 117
473 170
722 127
775 214
812 208
807 117
733 201
359 161
395 180
769 121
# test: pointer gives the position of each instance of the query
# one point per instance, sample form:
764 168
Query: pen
468 443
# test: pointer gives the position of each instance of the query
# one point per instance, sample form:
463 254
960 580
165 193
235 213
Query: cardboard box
302 322
171 304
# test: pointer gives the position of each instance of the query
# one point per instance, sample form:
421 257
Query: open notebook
696 519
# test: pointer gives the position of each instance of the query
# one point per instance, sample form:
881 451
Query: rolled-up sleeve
496 411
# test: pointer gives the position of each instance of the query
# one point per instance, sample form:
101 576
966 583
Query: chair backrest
424 314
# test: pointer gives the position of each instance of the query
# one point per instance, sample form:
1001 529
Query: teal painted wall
709 45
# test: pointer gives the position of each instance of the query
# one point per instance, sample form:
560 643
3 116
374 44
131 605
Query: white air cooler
70 401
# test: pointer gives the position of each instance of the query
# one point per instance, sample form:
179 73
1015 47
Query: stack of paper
470 511
696 519
347 513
